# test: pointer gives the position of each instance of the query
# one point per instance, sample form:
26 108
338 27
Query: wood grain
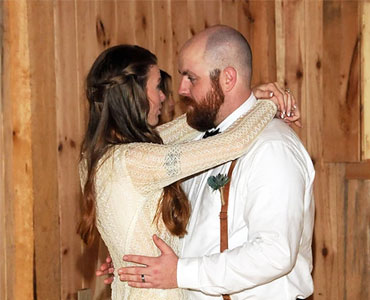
365 81
44 148
256 23
341 89
319 49
19 209
355 243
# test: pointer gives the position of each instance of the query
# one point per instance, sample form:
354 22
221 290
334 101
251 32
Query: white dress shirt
270 222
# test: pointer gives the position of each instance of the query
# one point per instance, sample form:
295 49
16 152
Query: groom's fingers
135 278
132 270
139 259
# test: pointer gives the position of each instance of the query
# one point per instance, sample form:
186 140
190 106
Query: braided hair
118 110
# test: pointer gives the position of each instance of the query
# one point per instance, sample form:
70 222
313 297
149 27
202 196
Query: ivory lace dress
130 181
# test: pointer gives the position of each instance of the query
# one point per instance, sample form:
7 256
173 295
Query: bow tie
209 133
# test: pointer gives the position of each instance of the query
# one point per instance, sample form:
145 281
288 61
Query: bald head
224 47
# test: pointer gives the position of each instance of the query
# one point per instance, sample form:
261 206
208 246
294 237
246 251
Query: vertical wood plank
355 229
196 17
365 80
46 214
313 108
341 89
229 13
126 22
180 34
5 188
74 274
3 239
280 41
212 11
98 26
17 94
106 22
294 54
144 25
329 193
256 23
163 35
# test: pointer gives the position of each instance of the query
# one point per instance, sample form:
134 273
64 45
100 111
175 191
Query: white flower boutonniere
218 183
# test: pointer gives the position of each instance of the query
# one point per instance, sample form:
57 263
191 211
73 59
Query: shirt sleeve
154 166
273 213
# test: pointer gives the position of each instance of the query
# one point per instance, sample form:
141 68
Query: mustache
187 100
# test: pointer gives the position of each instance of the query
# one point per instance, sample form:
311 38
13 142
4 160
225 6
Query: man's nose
183 88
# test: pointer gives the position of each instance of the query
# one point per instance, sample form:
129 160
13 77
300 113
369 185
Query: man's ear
228 79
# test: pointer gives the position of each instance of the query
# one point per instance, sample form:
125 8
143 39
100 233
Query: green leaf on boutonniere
217 182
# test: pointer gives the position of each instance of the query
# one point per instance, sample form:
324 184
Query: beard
202 116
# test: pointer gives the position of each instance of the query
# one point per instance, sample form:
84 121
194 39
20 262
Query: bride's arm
153 166
176 131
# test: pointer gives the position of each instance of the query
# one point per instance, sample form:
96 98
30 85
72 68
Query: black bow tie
209 133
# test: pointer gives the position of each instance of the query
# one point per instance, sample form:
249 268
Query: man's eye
191 79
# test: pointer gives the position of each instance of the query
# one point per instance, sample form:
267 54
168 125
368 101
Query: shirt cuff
188 273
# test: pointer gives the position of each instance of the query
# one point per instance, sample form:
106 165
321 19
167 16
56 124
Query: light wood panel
256 23
44 149
69 127
3 240
18 163
365 80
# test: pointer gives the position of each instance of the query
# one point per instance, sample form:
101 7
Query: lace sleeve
153 166
177 131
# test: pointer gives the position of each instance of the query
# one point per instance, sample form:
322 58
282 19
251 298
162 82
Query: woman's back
125 220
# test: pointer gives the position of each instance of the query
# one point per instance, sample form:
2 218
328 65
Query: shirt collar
242 109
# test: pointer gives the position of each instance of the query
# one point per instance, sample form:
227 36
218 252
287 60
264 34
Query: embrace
148 189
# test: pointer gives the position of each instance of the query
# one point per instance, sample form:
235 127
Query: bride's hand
284 99
106 268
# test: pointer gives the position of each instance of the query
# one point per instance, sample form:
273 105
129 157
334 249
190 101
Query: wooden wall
319 49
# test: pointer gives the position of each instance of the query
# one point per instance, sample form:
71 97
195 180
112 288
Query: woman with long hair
130 169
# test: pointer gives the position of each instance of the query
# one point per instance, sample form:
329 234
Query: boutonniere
218 183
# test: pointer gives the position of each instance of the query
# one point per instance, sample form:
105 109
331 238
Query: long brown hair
118 110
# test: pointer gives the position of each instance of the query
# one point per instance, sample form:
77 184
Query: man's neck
231 104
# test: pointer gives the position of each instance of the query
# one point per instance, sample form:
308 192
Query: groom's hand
157 272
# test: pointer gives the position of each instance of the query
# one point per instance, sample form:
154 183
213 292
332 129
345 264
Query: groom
271 209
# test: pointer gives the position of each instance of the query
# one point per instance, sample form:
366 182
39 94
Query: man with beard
271 209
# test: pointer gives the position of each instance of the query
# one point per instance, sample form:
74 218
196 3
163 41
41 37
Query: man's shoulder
277 130
277 135
279 144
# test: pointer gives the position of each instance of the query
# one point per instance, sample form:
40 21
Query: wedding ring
143 278
287 90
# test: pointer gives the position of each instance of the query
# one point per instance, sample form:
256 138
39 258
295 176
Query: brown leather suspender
224 238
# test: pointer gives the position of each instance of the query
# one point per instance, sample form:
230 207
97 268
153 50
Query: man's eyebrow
186 72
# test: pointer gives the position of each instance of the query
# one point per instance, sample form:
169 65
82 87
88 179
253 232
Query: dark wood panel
341 99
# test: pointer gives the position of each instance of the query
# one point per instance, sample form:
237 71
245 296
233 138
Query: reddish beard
202 116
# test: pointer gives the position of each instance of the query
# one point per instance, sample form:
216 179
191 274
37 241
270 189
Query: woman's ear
228 79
